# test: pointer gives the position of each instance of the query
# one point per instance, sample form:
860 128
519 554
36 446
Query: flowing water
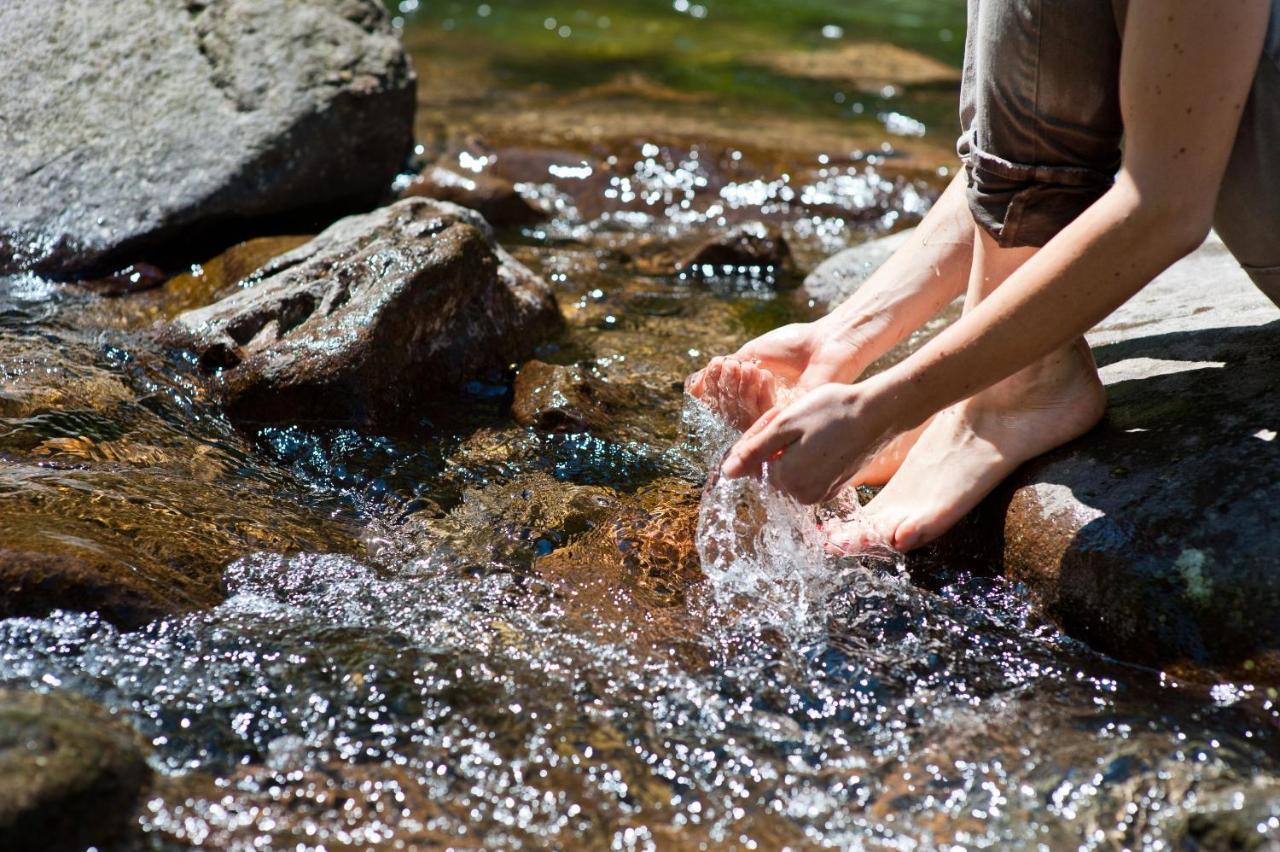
465 633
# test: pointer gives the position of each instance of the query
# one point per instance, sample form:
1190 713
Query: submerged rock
156 119
507 522
35 584
1153 536
493 197
70 774
749 247
553 398
370 317
867 66
113 499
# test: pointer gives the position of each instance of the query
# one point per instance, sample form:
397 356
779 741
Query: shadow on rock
1153 537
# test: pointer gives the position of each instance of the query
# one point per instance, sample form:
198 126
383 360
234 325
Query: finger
753 450
712 377
766 392
731 380
793 473
727 392
762 422
818 374
696 383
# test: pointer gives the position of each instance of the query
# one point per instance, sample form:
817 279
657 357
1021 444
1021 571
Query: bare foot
739 391
968 449
886 463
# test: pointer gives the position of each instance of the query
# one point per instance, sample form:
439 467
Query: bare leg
968 449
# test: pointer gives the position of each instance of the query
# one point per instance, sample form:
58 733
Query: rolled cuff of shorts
1027 205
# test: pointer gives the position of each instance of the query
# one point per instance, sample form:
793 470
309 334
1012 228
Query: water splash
763 552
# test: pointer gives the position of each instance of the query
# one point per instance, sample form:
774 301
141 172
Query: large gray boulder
126 125
1154 537
371 317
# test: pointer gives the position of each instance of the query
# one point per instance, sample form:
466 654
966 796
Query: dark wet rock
371 317
1152 537
35 584
70 774
158 119
135 278
751 245
494 198
555 398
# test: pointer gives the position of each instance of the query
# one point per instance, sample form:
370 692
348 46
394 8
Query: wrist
897 393
855 339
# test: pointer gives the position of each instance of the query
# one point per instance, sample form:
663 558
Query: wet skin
1015 365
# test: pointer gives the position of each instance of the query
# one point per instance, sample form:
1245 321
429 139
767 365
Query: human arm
923 275
1185 73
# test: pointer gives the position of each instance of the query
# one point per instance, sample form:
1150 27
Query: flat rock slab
125 127
1154 537
867 66
370 318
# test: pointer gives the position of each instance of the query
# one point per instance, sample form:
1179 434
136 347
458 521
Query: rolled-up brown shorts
1040 112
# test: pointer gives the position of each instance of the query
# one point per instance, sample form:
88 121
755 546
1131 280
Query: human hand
744 385
816 444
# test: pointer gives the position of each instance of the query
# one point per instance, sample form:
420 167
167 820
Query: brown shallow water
468 633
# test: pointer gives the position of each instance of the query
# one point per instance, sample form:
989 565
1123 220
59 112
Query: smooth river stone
127 126
1152 537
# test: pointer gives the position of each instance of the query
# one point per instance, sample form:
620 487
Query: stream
467 633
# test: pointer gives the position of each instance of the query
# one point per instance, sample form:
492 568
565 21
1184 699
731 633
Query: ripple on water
350 702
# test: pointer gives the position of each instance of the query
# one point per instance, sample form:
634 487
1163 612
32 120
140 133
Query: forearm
926 273
1082 275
